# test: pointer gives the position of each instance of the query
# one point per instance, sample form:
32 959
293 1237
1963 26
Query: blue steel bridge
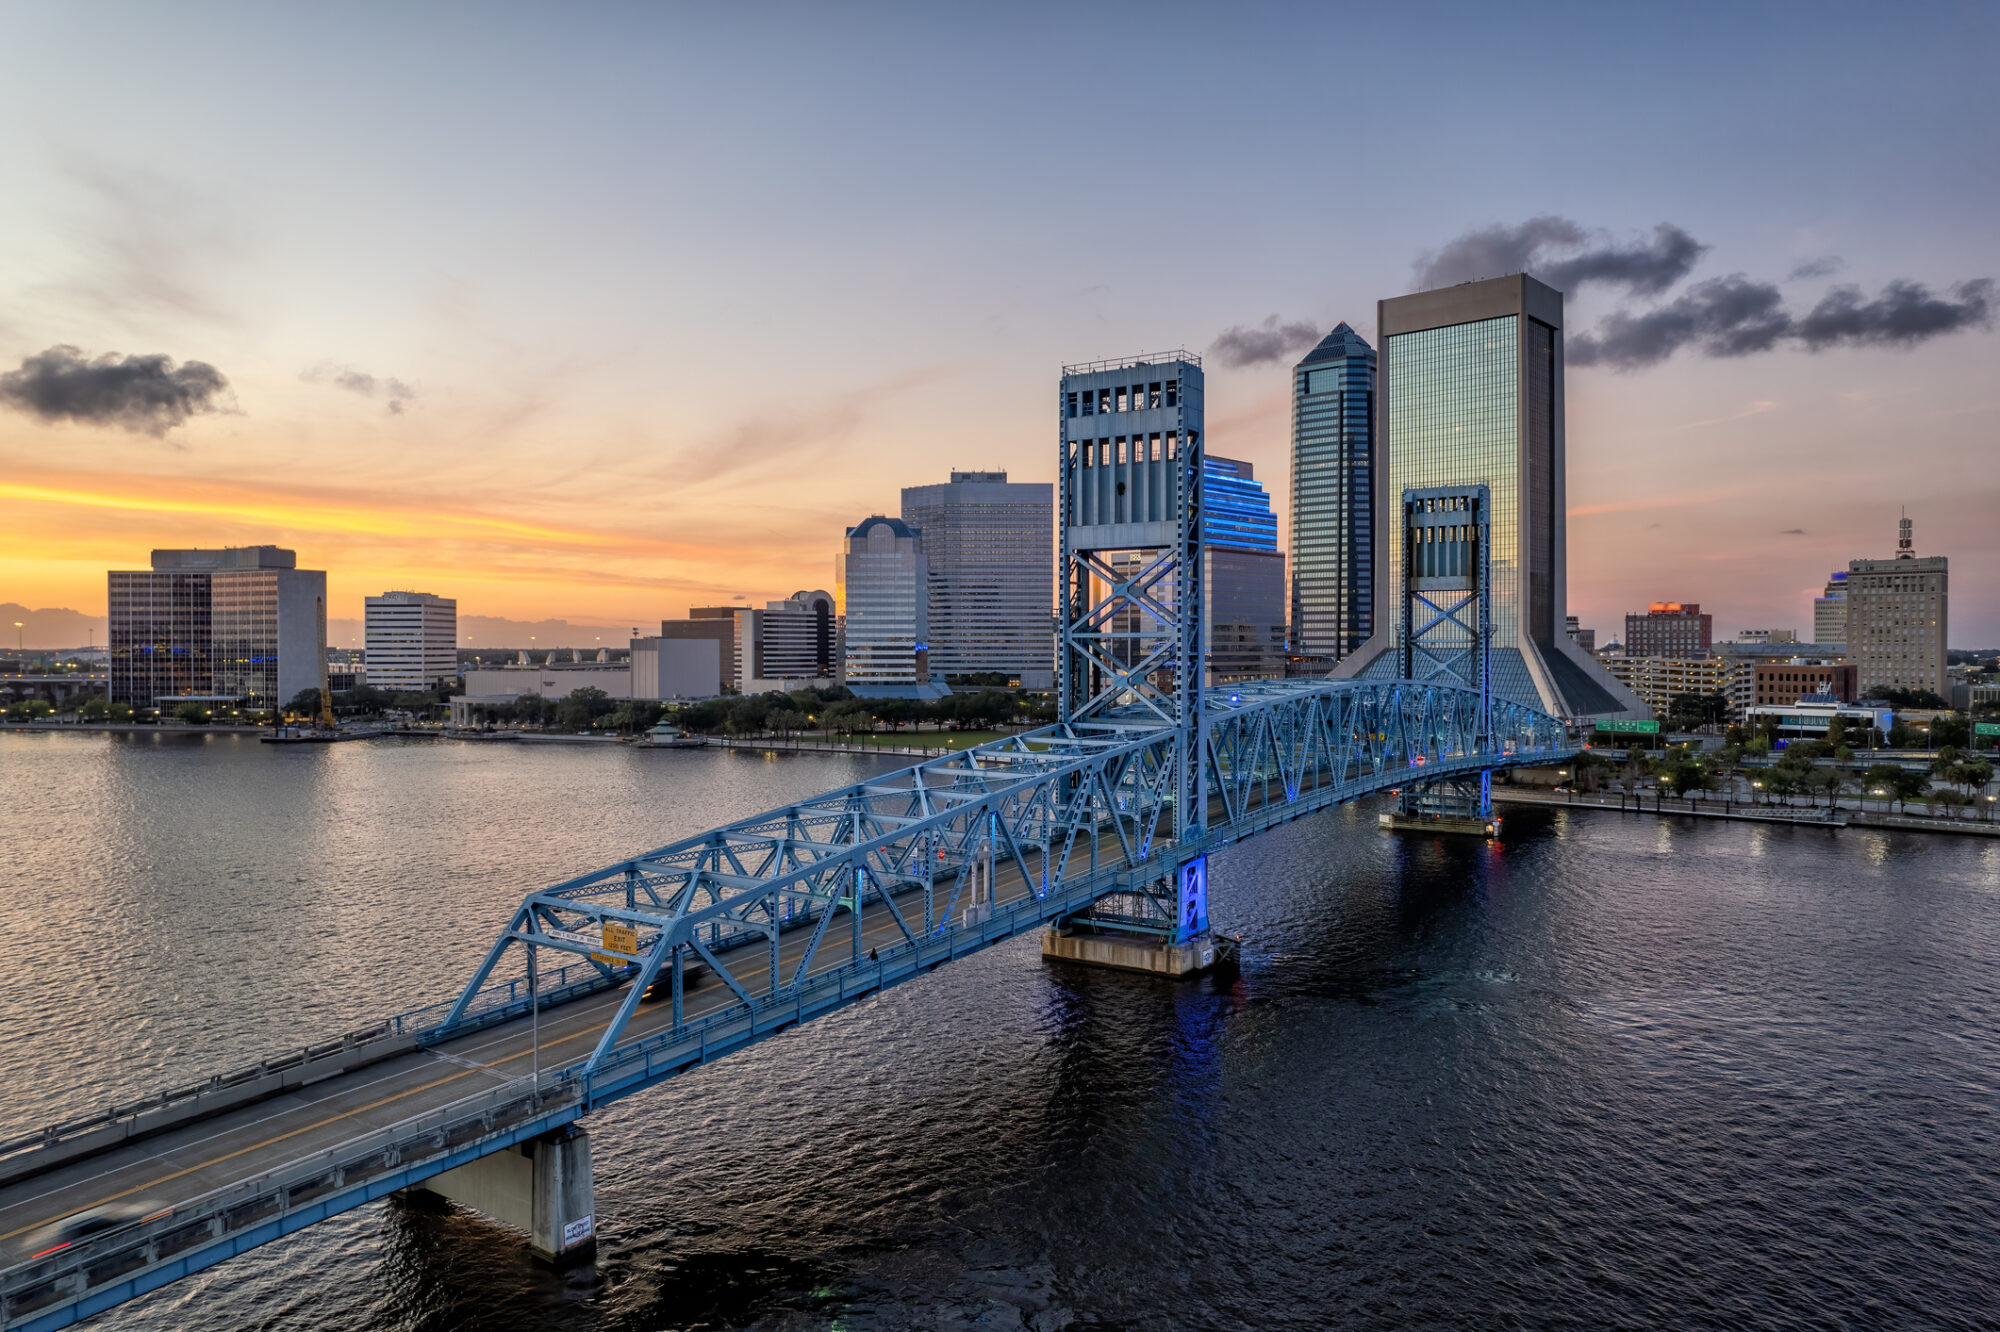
603 985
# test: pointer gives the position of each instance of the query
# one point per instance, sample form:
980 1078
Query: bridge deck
238 1177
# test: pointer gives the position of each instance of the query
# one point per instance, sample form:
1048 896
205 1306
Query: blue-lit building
1333 497
1243 574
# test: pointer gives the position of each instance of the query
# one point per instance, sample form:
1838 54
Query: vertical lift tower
1445 636
1131 640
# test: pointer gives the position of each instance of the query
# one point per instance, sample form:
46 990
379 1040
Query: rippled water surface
1617 1071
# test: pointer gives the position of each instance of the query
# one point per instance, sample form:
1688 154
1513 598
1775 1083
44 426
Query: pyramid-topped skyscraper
1333 497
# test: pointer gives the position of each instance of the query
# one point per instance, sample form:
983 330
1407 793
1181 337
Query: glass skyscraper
1333 497
242 624
1243 577
1472 393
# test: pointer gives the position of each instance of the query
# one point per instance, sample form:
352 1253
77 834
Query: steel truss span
749 929
1049 820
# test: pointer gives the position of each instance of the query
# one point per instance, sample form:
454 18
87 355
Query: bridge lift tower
1445 636
1131 637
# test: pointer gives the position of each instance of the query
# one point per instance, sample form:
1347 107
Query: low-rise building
1811 715
1781 683
1657 679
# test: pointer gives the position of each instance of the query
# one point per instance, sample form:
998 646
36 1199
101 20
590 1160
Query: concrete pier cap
542 1186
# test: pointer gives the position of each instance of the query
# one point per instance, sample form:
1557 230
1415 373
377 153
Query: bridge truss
1043 824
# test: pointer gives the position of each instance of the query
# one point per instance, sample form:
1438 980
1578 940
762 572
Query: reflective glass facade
244 625
1454 419
1243 575
1333 497
159 636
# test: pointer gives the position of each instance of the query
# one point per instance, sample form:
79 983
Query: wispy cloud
394 393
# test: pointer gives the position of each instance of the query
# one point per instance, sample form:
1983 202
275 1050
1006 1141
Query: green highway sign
1986 728
1637 727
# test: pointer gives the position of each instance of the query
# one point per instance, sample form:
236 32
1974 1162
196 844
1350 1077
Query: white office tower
412 641
990 546
1830 611
884 593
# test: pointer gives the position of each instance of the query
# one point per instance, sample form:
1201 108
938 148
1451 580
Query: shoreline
1842 817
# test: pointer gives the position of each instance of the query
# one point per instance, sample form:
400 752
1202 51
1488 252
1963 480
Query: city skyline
431 382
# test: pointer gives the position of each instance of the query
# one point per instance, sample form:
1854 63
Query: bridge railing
74 1270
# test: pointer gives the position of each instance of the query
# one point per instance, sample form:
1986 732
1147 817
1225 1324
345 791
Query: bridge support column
1078 942
542 1186
1457 805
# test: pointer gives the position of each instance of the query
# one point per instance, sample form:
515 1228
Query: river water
1613 1071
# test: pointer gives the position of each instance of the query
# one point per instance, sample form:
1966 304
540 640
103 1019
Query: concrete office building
1243 575
664 668
1830 610
1582 637
1897 618
1471 392
241 625
1333 497
1767 636
884 586
1670 629
781 646
411 640
989 544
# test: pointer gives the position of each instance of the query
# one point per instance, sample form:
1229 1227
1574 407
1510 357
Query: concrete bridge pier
1456 805
542 1186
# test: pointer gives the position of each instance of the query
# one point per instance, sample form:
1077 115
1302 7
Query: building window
1072 404
1153 394
1089 402
1173 392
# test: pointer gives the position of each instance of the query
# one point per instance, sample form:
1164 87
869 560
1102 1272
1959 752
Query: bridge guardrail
114 1255
51 1145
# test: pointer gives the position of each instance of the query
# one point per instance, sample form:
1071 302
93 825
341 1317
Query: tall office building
1830 610
1670 629
989 544
1243 575
1471 392
885 594
1333 497
237 625
412 640
1897 619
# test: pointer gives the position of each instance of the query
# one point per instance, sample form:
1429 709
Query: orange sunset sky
568 318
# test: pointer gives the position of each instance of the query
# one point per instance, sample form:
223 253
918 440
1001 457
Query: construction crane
325 717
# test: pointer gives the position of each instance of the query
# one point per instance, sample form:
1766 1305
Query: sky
598 312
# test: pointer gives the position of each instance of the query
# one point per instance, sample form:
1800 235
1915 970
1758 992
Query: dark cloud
1645 268
1735 316
1731 316
1268 341
1793 531
1905 314
145 394
1824 266
394 392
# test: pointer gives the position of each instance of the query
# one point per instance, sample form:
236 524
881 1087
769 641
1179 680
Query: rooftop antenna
1906 545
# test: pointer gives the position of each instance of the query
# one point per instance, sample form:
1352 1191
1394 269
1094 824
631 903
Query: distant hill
499 632
57 627
51 627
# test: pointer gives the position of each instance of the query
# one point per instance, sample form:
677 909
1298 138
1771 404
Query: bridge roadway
221 1181
185 1163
